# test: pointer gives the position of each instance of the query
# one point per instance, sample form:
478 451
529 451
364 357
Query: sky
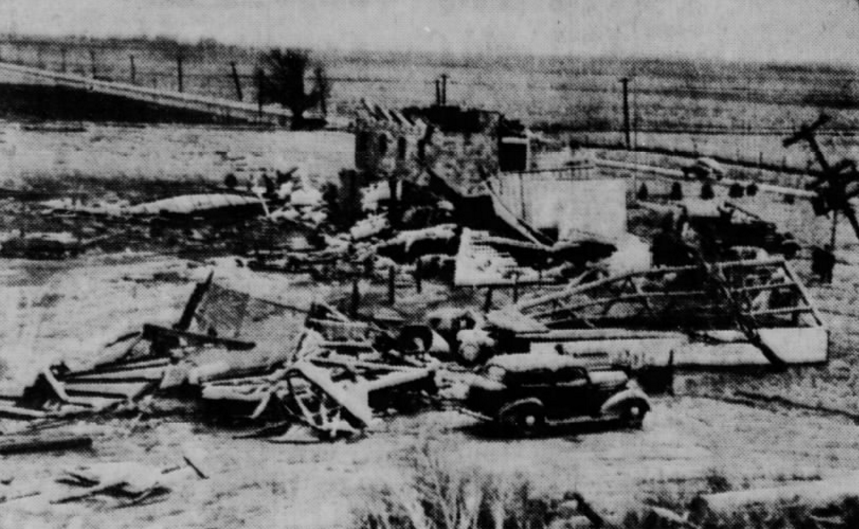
824 31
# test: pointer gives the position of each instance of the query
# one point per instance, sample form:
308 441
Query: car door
533 384
569 394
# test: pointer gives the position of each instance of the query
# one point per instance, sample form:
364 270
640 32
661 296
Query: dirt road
686 443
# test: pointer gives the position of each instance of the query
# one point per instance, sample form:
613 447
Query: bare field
571 93
129 155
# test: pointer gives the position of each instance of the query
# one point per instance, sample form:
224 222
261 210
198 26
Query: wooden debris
810 495
42 442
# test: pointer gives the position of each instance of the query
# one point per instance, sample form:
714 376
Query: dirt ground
61 310
685 441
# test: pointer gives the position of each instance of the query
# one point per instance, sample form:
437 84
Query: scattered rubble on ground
570 290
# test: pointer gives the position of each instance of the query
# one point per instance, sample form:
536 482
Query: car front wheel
525 420
633 414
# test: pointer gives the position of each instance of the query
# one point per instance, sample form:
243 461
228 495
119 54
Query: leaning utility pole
237 81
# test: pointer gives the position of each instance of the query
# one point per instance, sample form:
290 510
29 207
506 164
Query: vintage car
525 393
704 168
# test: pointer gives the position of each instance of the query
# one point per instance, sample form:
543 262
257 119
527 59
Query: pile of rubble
327 378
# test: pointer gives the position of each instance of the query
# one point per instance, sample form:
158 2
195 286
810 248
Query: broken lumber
17 412
722 506
28 443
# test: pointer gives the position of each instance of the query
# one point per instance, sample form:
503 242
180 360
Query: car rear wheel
524 420
633 414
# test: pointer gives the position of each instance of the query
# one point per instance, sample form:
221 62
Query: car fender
517 403
624 397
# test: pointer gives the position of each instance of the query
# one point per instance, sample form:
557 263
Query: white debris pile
478 263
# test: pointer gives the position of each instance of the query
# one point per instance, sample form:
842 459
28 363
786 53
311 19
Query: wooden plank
123 366
785 310
117 389
130 375
44 442
17 412
724 505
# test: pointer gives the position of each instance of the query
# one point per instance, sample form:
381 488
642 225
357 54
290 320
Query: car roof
528 361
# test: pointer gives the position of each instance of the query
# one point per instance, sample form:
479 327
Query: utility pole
236 80
133 69
92 62
63 59
444 89
626 123
179 71
259 94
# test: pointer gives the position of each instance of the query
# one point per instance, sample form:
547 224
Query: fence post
488 303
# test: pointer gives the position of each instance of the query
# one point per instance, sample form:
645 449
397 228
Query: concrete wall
567 200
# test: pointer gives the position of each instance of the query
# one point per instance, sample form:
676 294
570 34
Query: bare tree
282 75
323 85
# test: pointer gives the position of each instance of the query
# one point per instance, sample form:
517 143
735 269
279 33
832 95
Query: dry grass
442 495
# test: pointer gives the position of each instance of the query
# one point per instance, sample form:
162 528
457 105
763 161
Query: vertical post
236 81
487 305
179 72
394 206
626 123
418 275
259 94
355 302
444 89
92 63
392 285
63 60
834 232
133 69
516 288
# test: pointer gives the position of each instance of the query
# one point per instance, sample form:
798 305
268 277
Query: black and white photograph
429 264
